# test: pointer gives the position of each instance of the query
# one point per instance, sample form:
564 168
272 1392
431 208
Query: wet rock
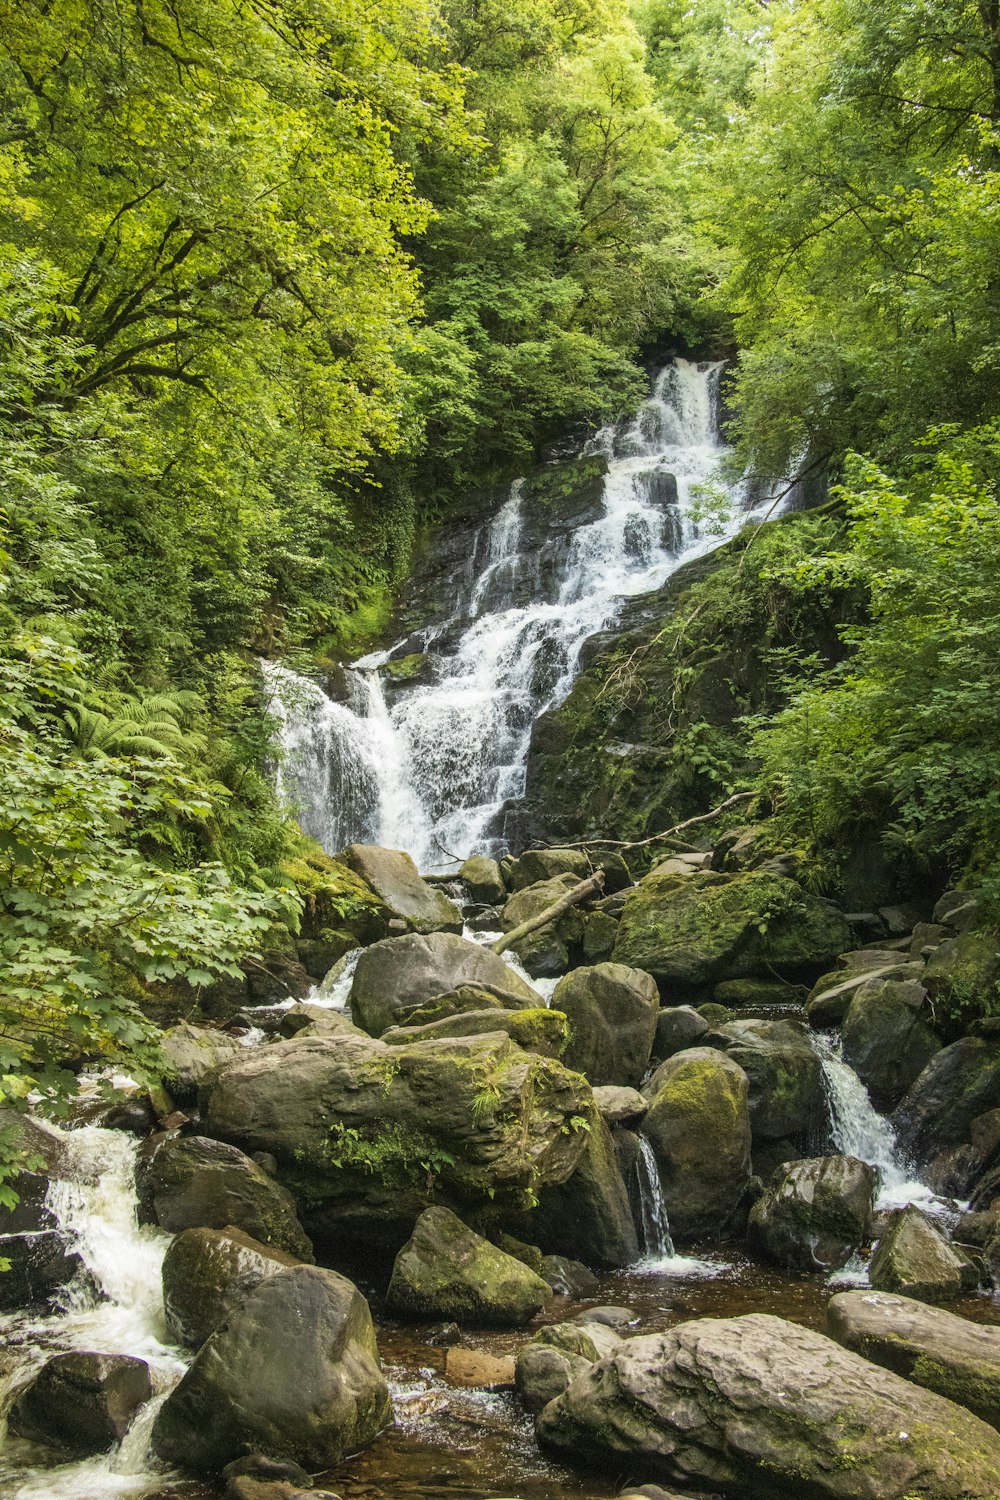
394 877
191 1182
397 976
368 1135
830 997
692 933
82 1403
294 1372
276 977
448 1271
131 1116
321 1017
550 1360
699 1128
931 1347
39 1264
544 1032
443 1335
589 1215
757 1405
473 1369
620 1106
612 1012
207 1273
888 1038
259 1466
537 865
784 1074
913 1257
545 952
959 1083
43 1157
190 1054
816 1214
483 880
608 1316
568 1277
677 1028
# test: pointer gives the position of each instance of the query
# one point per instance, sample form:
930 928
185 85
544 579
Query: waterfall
656 1241
859 1130
428 767
115 1308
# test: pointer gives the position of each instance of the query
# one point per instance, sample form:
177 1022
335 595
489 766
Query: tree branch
587 888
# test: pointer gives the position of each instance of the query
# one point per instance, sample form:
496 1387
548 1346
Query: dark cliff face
655 728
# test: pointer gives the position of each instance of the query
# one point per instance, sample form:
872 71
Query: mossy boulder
395 879
536 866
446 1270
959 1083
698 1125
677 1028
785 1076
588 1216
368 1135
914 1258
542 1031
963 973
207 1273
760 1407
817 1213
551 1359
545 952
401 975
190 1054
934 1348
293 1373
889 1038
483 880
336 901
612 1012
692 933
191 1182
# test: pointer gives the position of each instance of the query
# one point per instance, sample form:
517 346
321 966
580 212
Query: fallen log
594 886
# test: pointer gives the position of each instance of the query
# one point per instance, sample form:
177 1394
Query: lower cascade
430 766
656 1241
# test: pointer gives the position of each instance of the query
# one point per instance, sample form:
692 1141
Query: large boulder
537 865
207 1273
816 1214
546 951
888 1037
396 880
445 1270
367 1135
913 1257
931 1347
699 1127
690 933
962 972
483 880
82 1403
191 1182
190 1055
785 1077
759 1408
959 1083
399 975
588 1216
677 1028
612 1013
293 1373
830 998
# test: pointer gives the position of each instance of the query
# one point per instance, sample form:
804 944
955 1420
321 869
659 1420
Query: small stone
444 1334
610 1316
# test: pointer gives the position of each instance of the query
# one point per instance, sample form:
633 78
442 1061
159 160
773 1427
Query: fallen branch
592 887
669 833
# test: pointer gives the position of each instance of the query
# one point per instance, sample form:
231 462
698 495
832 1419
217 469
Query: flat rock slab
762 1408
931 1347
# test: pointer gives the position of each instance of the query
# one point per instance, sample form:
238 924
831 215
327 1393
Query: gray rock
40 1263
699 1127
830 997
483 880
959 1083
207 1274
931 1347
191 1182
620 1106
588 1216
914 1258
888 1037
612 1012
446 1270
568 1277
537 865
397 976
294 1373
190 1054
542 1373
394 877
817 1213
542 1031
757 1406
545 952
784 1074
677 1028
82 1403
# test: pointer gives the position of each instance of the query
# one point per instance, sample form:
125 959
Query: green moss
404 668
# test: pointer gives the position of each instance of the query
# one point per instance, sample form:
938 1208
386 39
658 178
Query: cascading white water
117 1308
656 1241
430 769
859 1130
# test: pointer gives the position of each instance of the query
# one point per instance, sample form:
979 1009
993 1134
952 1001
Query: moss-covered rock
693 933
394 878
913 1257
545 952
588 1216
784 1074
816 1215
699 1127
612 1012
190 1054
544 1032
446 1270
959 1083
82 1402
888 1037
207 1273
483 880
401 976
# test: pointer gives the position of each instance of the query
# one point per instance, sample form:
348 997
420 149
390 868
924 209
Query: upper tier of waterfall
428 767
